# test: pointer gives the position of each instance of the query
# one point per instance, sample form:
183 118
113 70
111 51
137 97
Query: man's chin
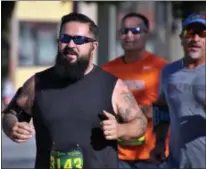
73 62
194 55
71 71
129 48
72 59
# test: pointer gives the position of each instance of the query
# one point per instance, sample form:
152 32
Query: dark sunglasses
190 32
137 30
79 40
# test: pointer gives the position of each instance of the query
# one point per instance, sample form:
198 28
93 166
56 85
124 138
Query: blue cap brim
194 19
200 21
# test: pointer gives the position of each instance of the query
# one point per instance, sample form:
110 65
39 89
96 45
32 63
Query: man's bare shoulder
120 86
126 105
121 90
27 94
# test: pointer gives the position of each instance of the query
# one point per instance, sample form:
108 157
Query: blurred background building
29 32
33 33
33 25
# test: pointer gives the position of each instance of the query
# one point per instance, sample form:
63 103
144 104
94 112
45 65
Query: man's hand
109 126
157 155
21 132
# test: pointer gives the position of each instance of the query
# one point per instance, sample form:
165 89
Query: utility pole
107 36
75 6
163 29
168 27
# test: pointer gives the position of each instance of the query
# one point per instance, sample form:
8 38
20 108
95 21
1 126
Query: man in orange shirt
140 70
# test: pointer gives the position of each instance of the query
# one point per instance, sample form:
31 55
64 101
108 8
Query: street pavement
17 155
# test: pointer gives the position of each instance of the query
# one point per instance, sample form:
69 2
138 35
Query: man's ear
95 45
94 48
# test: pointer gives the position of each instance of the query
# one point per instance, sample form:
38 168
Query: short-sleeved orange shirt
142 78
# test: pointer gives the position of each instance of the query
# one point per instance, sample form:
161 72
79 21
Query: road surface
17 155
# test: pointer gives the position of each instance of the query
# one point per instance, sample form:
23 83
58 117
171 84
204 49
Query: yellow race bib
64 160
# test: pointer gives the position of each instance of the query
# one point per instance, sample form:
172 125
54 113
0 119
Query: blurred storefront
35 23
33 37
163 40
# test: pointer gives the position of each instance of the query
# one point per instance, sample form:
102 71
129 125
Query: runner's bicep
26 97
127 107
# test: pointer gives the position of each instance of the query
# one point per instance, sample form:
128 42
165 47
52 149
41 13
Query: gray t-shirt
184 91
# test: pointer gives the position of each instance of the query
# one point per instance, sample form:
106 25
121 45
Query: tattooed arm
18 112
134 122
147 110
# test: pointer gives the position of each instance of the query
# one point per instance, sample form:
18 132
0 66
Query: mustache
129 40
68 50
193 44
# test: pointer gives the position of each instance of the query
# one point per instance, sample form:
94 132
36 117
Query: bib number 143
66 161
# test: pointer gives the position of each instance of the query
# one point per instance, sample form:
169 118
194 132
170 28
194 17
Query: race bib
133 142
64 160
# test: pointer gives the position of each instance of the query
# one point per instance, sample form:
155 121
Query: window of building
37 43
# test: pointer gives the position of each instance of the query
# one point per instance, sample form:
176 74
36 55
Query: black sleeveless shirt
68 114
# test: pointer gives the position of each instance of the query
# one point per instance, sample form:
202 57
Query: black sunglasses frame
78 40
136 30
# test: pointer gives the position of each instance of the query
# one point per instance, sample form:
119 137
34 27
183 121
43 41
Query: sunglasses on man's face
79 40
190 32
137 30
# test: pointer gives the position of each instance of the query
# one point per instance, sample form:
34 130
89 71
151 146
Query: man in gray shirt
183 95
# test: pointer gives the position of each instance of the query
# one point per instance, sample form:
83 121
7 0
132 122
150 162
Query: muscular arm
20 107
134 122
147 110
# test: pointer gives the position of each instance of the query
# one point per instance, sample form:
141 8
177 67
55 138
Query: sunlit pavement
17 155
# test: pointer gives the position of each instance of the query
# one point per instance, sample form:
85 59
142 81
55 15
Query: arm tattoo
142 123
128 110
26 98
8 121
124 113
20 108
128 98
128 105
146 109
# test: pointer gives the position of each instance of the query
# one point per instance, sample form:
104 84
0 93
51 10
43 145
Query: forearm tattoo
128 106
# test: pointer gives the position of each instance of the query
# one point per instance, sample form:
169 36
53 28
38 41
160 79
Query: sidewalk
17 155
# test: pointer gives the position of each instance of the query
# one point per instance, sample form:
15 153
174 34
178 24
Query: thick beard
71 71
